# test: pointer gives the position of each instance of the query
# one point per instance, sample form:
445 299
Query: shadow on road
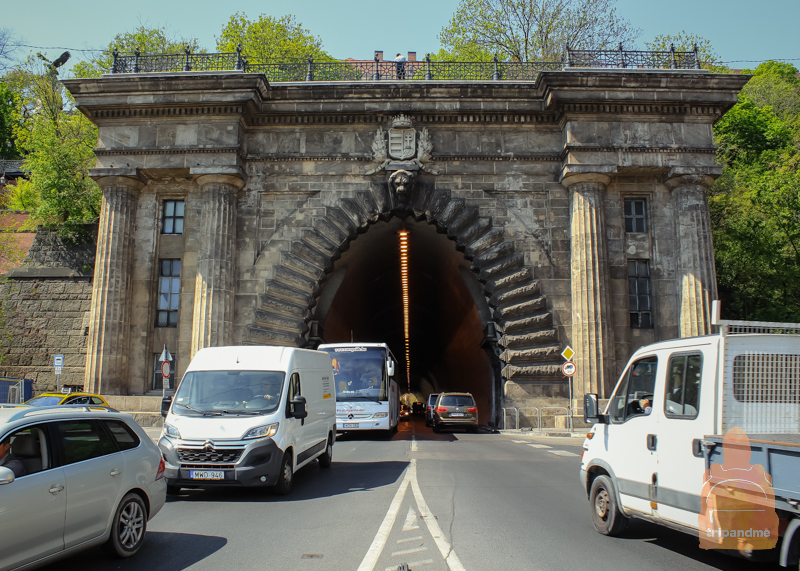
310 482
161 550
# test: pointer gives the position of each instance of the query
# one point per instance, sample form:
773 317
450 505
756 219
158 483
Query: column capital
110 177
233 176
598 174
677 177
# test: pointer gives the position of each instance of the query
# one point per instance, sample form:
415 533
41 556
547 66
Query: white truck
366 392
652 454
249 416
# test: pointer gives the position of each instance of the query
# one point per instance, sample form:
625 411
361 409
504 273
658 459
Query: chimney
412 56
379 55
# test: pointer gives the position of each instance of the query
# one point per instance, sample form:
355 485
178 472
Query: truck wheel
128 527
286 476
326 459
606 517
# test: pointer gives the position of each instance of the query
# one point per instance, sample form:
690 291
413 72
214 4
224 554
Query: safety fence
513 418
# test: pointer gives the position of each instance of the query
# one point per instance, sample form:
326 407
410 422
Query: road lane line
562 453
375 550
412 564
409 551
418 538
414 447
411 520
538 445
433 526
519 441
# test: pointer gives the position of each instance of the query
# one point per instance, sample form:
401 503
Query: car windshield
229 392
44 401
457 400
359 372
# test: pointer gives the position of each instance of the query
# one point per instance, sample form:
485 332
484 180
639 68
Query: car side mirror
166 402
590 412
299 407
6 475
390 367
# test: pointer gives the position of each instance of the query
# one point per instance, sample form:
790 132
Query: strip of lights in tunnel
404 283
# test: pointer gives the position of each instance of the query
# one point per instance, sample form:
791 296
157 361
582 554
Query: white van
249 416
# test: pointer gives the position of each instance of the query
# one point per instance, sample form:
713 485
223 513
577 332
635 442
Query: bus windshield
359 373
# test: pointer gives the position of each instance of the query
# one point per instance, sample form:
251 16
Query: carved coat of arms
404 145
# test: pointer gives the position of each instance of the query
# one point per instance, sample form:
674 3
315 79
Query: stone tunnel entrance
362 300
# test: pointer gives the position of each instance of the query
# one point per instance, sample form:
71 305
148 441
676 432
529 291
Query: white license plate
206 474
350 425
457 414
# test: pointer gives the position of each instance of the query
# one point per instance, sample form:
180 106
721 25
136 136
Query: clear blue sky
738 29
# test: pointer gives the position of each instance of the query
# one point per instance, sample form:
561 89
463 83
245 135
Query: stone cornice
158 151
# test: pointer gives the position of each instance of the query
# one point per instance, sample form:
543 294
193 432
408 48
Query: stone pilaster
591 313
109 319
212 319
697 277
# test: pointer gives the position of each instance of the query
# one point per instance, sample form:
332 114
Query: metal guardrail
538 416
377 70
554 428
516 417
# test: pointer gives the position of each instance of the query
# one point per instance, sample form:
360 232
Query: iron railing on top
424 70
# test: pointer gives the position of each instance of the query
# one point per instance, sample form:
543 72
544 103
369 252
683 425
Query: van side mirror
166 402
6 475
590 412
390 367
299 407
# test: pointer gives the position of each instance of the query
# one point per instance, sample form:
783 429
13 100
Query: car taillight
441 409
472 409
161 469
429 409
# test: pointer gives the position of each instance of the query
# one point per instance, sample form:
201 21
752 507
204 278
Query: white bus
366 392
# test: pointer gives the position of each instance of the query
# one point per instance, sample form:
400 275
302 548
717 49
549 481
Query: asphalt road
472 502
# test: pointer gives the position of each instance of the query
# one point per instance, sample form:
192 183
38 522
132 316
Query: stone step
510 279
311 255
292 279
280 322
463 220
526 324
504 266
477 228
280 306
342 221
493 255
536 372
282 291
521 291
356 213
491 238
302 267
437 204
452 209
541 337
520 308
257 335
367 203
316 241
330 232
527 355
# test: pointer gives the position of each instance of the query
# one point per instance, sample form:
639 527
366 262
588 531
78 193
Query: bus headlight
380 415
261 431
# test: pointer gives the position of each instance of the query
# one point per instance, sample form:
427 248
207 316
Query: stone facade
528 180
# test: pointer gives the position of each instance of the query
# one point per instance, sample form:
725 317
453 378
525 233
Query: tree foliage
755 205
269 39
534 30
9 111
685 42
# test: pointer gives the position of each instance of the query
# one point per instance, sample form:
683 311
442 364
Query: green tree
685 42
269 39
533 30
147 40
9 105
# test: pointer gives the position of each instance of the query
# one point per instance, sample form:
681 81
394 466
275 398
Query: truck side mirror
390 367
590 413
6 475
166 402
299 407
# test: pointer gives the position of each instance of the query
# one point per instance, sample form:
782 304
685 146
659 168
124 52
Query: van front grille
203 456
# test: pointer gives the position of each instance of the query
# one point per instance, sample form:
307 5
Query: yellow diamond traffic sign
567 353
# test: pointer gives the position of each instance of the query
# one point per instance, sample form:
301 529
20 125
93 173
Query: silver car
72 477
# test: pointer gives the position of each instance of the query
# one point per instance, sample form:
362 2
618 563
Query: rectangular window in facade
158 379
172 222
639 294
169 290
635 215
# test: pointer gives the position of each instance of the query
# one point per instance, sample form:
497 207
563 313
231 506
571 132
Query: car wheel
173 490
128 527
286 476
436 428
606 516
473 429
326 459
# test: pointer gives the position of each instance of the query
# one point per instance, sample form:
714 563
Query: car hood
226 427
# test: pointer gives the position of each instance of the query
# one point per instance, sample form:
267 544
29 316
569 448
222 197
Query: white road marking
418 538
562 453
519 441
407 551
412 564
538 445
375 550
414 446
411 520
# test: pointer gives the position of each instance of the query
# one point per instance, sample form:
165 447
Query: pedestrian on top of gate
400 63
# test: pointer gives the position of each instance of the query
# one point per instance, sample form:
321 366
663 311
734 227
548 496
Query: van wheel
286 476
128 527
606 517
326 458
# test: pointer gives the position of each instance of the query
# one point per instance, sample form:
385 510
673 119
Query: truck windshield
359 373
229 392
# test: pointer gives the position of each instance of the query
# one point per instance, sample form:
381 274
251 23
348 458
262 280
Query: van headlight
261 431
380 415
171 431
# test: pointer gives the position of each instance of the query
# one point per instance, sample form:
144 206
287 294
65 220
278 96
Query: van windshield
229 392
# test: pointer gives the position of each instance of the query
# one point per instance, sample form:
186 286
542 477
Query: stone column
107 351
697 277
591 332
212 319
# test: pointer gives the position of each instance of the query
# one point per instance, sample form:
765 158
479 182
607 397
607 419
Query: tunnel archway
525 347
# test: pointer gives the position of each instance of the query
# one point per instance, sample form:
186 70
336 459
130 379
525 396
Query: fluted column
591 333
697 277
107 352
212 319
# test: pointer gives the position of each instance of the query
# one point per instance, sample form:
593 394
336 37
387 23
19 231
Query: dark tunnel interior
363 298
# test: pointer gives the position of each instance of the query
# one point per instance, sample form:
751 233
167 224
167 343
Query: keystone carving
401 183
406 149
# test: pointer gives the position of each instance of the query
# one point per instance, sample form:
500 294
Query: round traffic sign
165 369
568 368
